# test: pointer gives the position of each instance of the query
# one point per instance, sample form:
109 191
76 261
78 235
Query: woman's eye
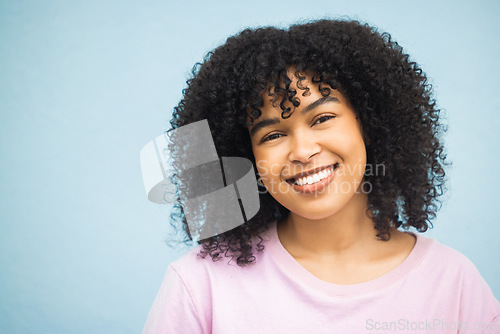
323 119
271 137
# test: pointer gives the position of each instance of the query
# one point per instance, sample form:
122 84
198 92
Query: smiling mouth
312 177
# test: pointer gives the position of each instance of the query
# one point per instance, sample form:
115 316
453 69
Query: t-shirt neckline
295 270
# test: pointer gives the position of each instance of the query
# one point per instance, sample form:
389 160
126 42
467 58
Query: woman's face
312 162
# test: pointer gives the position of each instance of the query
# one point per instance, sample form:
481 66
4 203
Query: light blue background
84 85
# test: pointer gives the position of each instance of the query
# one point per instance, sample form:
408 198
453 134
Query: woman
345 136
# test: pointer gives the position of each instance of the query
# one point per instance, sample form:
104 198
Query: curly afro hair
388 91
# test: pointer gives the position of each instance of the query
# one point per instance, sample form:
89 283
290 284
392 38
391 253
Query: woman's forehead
275 100
303 86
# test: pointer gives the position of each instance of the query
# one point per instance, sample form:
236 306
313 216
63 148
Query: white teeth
314 178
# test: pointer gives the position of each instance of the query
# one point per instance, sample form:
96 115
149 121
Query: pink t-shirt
435 290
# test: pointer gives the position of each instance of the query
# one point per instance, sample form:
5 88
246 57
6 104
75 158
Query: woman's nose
303 147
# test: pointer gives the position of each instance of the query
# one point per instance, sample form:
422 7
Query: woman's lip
311 172
315 187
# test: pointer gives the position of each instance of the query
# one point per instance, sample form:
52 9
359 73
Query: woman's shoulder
457 272
450 266
198 261
444 256
195 263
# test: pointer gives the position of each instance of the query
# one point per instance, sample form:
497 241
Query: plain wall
85 84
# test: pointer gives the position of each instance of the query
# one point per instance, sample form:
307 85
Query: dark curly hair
388 91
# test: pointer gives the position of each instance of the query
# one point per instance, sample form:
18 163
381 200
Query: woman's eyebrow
272 121
323 100
263 124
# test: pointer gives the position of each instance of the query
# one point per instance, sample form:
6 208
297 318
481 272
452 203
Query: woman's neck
349 235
